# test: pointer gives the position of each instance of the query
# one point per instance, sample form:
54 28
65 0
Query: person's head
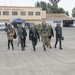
32 27
18 25
9 26
49 25
58 25
23 25
43 23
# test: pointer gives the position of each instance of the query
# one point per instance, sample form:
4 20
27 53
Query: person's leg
60 45
39 36
18 41
12 44
8 44
33 44
44 43
22 44
56 41
25 43
48 42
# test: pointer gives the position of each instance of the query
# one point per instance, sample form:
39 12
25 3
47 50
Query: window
5 12
57 21
37 13
22 13
30 13
14 13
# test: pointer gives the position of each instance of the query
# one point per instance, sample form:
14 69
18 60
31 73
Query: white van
2 26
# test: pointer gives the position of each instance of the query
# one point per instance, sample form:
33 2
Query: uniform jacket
44 31
58 31
23 33
33 35
10 33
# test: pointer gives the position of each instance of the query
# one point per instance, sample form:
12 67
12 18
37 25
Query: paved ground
51 62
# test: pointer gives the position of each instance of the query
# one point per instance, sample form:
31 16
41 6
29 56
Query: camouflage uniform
44 35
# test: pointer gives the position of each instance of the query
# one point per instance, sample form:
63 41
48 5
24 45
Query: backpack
15 35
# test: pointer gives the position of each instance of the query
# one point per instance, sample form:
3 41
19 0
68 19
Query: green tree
37 4
49 8
73 12
67 13
61 10
43 5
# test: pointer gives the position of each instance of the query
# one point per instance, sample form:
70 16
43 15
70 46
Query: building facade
57 18
29 14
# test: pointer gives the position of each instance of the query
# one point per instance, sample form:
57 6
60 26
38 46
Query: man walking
44 35
10 34
33 34
23 35
58 30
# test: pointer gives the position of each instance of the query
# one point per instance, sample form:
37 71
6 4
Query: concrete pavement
50 62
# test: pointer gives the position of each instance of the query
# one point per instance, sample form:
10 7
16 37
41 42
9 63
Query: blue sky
68 5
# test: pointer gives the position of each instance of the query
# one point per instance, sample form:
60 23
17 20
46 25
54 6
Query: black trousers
23 41
34 43
10 41
58 38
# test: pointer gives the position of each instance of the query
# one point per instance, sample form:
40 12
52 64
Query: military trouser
45 41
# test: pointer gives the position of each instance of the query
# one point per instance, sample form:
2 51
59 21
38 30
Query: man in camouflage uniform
44 35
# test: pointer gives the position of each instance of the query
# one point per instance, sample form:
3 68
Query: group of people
45 31
20 33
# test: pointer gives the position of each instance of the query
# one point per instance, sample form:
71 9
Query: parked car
2 26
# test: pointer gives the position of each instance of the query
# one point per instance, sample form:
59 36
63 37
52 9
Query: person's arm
25 33
37 33
30 34
52 32
61 32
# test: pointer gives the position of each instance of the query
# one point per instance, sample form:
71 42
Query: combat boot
44 49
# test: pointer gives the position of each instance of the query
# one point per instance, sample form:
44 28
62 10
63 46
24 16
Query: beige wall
33 18
43 14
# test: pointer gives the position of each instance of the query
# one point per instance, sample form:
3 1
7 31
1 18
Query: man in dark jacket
33 34
58 30
23 35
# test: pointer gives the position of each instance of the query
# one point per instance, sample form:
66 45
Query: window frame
15 12
29 13
36 13
5 12
22 13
